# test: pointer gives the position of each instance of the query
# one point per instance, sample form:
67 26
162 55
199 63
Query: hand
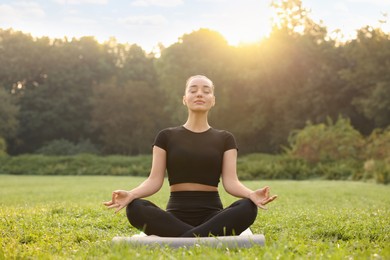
120 199
261 197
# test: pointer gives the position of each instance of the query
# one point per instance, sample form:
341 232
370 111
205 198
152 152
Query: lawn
56 217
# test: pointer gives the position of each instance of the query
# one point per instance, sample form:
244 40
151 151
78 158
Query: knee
250 208
133 209
134 204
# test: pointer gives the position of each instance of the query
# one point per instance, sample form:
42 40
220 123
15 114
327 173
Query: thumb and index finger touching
267 198
113 203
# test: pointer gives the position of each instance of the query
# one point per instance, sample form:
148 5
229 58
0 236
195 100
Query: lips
199 102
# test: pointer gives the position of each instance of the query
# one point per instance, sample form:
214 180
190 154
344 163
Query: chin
200 110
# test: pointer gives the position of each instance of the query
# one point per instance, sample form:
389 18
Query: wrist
131 195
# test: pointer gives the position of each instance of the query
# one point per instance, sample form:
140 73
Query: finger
114 195
264 190
273 198
108 203
267 192
261 206
113 206
268 200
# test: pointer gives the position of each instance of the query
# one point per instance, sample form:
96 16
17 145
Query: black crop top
194 157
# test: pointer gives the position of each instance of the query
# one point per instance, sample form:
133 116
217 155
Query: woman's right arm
121 198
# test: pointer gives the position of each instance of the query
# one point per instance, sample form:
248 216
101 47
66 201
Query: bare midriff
192 187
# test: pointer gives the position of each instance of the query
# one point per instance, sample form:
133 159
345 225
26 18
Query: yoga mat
244 241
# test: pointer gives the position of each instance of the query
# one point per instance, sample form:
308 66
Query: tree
59 106
3 147
21 60
126 116
295 74
136 66
8 115
367 75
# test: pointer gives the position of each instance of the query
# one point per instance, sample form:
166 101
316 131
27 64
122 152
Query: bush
378 145
377 155
326 142
265 166
378 170
249 167
339 170
83 164
65 147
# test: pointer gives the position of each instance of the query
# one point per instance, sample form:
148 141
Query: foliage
326 142
118 96
63 218
8 115
379 170
368 75
347 169
285 167
377 154
125 125
378 144
83 164
3 147
294 18
265 166
249 167
65 147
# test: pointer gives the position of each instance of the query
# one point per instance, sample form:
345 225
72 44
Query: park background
301 92
302 103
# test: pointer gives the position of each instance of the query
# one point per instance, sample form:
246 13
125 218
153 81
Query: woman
195 156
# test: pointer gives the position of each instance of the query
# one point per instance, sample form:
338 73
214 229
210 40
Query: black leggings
190 214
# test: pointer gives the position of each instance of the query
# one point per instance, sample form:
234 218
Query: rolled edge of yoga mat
245 241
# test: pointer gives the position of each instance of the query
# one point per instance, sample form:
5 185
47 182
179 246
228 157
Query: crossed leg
232 220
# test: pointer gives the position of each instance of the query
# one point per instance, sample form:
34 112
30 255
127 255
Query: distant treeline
115 97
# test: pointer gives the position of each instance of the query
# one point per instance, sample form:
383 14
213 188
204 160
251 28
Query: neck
197 122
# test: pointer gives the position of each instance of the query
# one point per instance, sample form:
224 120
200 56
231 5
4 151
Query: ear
213 104
184 101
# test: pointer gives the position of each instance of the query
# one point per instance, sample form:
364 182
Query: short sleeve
161 140
230 142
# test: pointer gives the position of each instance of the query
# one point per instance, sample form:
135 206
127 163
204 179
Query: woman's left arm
233 186
230 179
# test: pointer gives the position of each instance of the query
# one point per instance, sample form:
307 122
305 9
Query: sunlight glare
247 29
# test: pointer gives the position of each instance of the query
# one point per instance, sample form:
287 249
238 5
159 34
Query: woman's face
199 95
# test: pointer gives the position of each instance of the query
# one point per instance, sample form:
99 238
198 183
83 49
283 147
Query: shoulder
227 138
163 137
166 132
223 133
170 130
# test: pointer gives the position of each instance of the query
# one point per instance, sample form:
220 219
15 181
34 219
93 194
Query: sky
150 22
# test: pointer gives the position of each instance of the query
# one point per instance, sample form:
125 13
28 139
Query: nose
199 94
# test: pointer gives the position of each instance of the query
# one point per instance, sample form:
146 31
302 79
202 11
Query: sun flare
245 26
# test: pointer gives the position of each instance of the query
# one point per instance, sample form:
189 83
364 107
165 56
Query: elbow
228 188
154 184
157 188
231 186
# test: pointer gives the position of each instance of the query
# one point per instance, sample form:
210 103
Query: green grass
56 217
